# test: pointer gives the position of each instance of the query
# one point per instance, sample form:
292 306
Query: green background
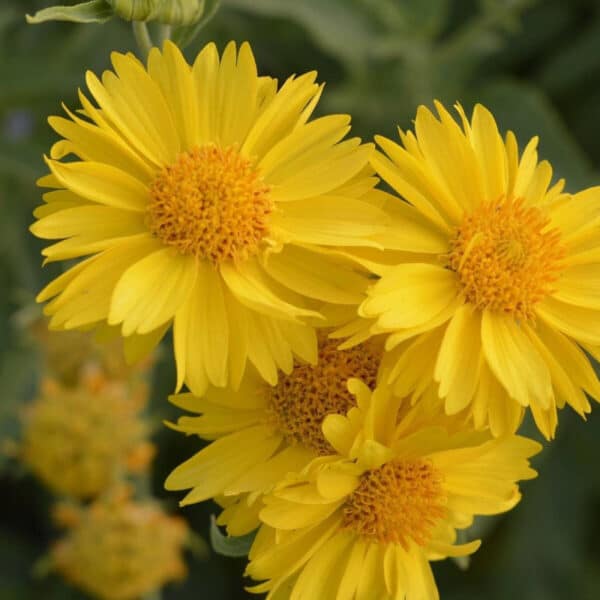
535 64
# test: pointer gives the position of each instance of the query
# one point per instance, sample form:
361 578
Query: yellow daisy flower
76 439
208 200
366 522
119 548
262 432
493 292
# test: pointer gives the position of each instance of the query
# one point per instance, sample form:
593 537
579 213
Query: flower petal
514 360
150 292
409 295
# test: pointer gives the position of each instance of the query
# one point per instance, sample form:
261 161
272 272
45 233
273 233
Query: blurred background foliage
536 64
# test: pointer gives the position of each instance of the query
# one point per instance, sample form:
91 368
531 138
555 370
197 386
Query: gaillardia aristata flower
495 295
120 549
262 432
77 438
364 523
208 200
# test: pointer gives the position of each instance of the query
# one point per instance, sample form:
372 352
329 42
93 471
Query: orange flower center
210 203
301 400
506 257
398 502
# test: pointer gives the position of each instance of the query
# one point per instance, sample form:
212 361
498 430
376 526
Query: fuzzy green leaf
234 547
95 11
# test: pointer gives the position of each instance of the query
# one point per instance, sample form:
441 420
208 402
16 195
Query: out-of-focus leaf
346 34
225 545
95 11
425 18
573 63
524 109
16 382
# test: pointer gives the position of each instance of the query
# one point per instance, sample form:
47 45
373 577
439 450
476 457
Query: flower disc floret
507 257
299 403
211 203
399 502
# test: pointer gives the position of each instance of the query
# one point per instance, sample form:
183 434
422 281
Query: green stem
142 38
164 34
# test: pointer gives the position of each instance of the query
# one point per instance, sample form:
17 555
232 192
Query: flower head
208 200
366 522
262 433
76 439
121 549
489 286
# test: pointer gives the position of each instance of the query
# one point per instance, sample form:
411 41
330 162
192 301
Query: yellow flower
264 432
208 200
120 549
491 289
77 439
366 522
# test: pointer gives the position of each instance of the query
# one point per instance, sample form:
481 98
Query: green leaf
426 18
95 11
341 31
226 545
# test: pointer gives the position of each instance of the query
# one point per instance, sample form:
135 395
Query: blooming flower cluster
360 361
86 438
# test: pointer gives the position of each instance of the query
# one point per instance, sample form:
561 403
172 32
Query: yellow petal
577 322
92 143
514 360
352 572
150 292
173 75
286 515
406 175
86 297
102 183
409 295
280 115
80 224
283 559
302 146
326 173
321 576
201 333
265 475
491 155
371 583
408 229
210 471
458 362
329 220
252 288
316 275
580 285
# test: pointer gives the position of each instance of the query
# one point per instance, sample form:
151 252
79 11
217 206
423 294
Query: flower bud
168 12
178 13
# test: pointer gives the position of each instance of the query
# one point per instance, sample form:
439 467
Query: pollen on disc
301 400
210 203
400 501
506 257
